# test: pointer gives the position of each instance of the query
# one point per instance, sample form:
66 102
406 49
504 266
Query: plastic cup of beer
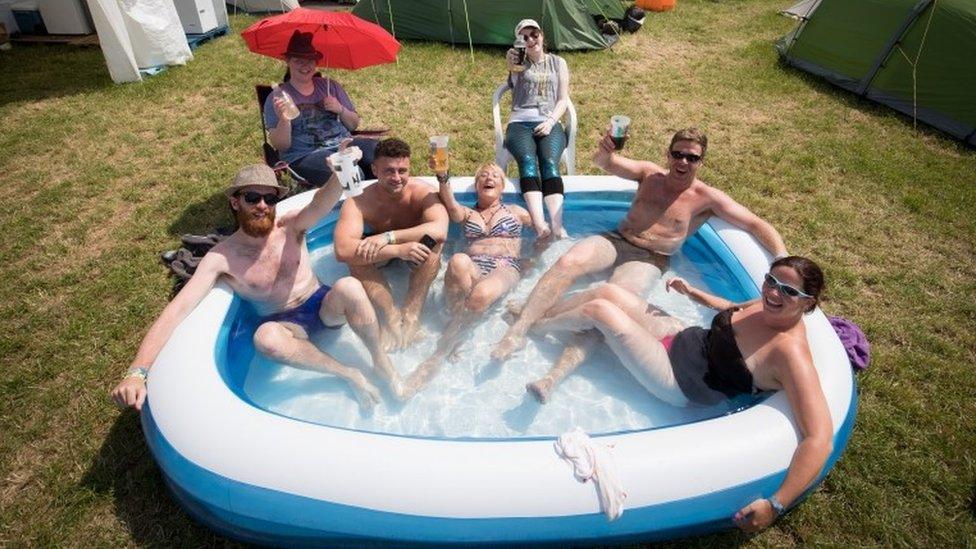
345 165
438 149
618 130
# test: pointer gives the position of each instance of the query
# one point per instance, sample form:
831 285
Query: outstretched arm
728 209
799 379
455 211
681 286
324 199
612 162
131 391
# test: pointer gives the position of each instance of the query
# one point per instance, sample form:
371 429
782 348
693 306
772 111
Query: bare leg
637 276
533 202
420 280
380 295
572 357
588 256
639 351
289 344
461 275
485 292
347 301
554 203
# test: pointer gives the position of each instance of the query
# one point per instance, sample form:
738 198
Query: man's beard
256 227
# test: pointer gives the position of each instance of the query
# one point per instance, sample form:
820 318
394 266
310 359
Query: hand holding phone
426 240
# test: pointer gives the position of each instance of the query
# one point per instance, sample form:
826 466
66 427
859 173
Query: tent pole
389 10
865 83
450 21
467 22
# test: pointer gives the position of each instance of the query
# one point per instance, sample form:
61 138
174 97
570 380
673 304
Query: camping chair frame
503 157
271 157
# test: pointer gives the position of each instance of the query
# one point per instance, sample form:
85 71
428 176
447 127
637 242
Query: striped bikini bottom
488 263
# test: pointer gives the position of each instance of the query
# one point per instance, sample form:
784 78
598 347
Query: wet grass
101 178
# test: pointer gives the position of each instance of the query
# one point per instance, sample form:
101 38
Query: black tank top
727 372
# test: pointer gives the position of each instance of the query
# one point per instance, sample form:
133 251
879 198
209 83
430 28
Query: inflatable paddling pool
264 477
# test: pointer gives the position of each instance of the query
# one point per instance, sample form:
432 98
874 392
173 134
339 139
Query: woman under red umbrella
326 116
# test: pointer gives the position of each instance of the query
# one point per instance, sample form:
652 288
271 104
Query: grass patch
104 177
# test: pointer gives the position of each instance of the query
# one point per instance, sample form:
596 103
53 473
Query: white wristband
140 372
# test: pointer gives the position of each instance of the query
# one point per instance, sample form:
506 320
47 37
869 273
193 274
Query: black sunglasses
690 157
252 198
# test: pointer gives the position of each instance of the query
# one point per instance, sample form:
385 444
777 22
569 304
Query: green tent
568 24
916 56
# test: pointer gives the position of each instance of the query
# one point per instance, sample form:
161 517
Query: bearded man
266 262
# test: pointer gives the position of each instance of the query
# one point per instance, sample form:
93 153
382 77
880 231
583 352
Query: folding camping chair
503 156
271 157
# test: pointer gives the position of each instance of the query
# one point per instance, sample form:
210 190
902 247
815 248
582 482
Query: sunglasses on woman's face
251 198
784 289
530 34
692 158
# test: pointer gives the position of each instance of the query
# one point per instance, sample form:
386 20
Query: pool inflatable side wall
265 478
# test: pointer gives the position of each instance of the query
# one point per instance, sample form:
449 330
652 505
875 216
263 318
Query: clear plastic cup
618 130
519 46
438 149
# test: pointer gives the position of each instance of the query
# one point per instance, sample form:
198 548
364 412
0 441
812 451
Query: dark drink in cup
618 130
519 46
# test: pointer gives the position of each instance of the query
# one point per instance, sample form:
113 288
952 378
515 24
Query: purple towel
855 343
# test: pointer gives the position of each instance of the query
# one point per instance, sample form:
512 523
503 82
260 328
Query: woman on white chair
535 137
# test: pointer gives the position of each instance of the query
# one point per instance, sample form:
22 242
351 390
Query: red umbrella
346 41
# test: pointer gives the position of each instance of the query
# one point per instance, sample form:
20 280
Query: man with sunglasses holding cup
266 262
670 204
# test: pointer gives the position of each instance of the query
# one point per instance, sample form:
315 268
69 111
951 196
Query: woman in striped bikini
489 268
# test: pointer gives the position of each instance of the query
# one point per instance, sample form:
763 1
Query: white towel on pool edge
593 461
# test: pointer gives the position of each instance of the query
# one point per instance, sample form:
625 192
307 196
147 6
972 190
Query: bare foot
421 376
542 231
411 330
513 310
366 393
384 369
540 389
560 233
508 345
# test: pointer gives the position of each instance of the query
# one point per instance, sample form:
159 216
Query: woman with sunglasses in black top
756 346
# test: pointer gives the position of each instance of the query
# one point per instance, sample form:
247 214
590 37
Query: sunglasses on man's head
785 289
252 197
690 157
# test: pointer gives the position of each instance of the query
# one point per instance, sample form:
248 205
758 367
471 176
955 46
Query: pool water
475 397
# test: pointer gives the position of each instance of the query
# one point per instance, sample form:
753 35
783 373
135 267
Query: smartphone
426 240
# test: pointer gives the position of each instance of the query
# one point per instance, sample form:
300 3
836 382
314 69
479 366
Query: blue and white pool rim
266 478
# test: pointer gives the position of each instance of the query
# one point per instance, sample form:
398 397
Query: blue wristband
776 505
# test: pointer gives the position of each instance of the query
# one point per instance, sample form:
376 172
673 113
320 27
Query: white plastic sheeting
138 34
264 6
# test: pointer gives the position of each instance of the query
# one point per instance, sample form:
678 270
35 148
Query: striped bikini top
507 226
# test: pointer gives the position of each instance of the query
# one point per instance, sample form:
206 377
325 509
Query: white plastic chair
503 157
